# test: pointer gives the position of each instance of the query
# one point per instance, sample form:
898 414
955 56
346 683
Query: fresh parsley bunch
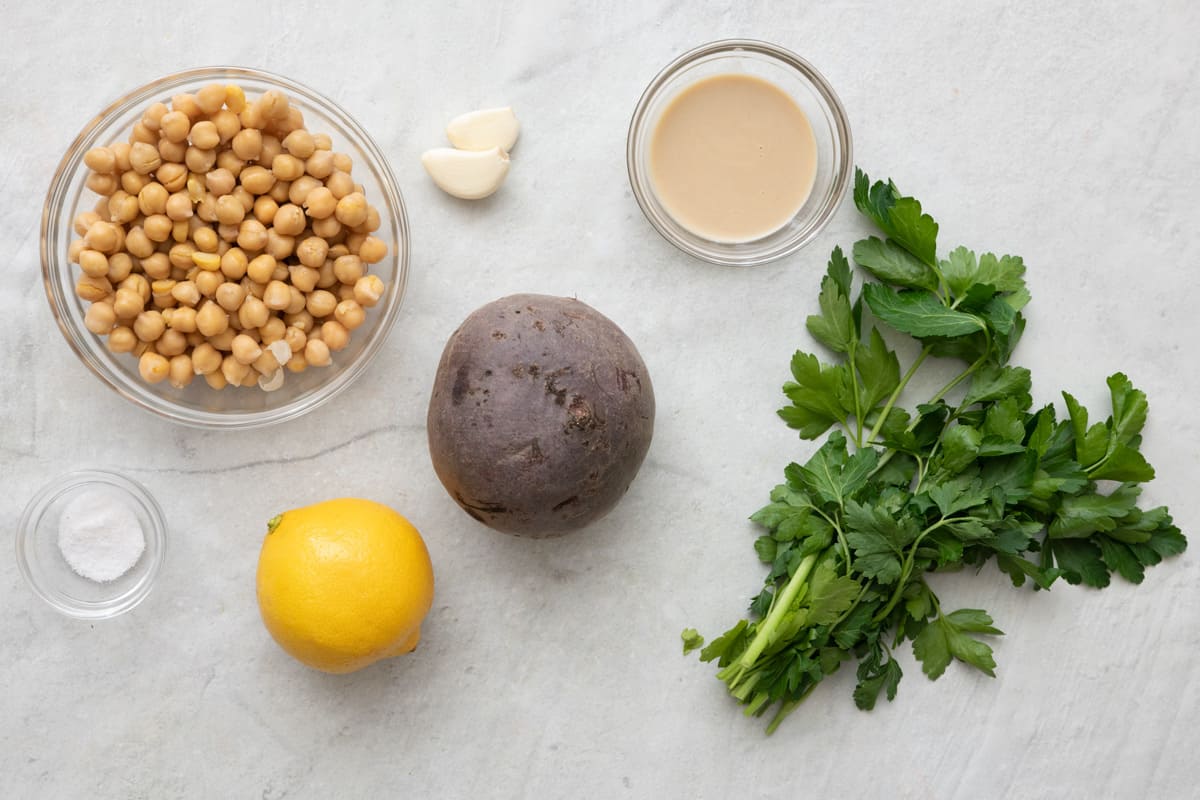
893 495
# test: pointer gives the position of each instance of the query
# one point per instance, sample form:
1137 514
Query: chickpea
253 288
244 197
252 235
312 251
235 98
93 263
85 220
152 367
301 320
280 247
220 182
321 303
247 143
298 301
234 370
227 125
181 255
172 152
252 117
344 292
277 297
348 269
319 203
265 209
253 313
122 339
181 230
120 151
350 314
211 97
142 134
230 296
271 332
223 341
156 266
157 227
183 320
245 349
316 353
327 228
205 359
161 293
172 176
144 158
133 183
335 335
211 319
171 343
372 250
304 278
273 104
101 184
102 236
261 268
299 143
100 318
234 263
152 116
279 192
180 371
325 278
216 380
319 164
368 289
271 147
228 234
100 159
120 265
122 207
266 363
137 284
228 160
257 180
339 183
287 167
301 186
352 209
293 120
152 199
229 211
199 160
149 325
295 338
289 220
175 126
186 102
186 293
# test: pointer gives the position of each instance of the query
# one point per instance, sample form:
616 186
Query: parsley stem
766 630
858 415
906 570
891 402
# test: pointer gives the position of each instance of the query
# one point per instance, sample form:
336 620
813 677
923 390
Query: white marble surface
1063 132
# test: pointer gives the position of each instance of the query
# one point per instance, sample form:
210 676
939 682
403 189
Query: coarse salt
100 536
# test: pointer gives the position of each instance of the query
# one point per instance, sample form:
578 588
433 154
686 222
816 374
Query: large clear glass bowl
198 404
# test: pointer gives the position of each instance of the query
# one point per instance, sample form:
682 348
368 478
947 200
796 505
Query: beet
542 412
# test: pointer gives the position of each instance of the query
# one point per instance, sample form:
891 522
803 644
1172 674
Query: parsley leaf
918 313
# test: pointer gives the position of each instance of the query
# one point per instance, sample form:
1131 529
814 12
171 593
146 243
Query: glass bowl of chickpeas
225 248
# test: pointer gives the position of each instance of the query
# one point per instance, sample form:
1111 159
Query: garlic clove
469 174
484 129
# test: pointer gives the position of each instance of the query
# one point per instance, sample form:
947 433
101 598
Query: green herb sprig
894 495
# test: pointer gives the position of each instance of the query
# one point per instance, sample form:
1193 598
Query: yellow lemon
344 583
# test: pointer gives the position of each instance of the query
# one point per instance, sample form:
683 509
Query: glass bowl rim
99 609
73 331
807 72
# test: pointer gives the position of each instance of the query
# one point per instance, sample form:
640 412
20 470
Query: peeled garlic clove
484 129
469 174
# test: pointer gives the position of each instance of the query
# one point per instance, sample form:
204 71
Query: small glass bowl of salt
91 543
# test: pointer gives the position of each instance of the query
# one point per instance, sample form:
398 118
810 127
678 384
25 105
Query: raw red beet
542 412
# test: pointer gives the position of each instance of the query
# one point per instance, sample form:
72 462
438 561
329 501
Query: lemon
344 583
